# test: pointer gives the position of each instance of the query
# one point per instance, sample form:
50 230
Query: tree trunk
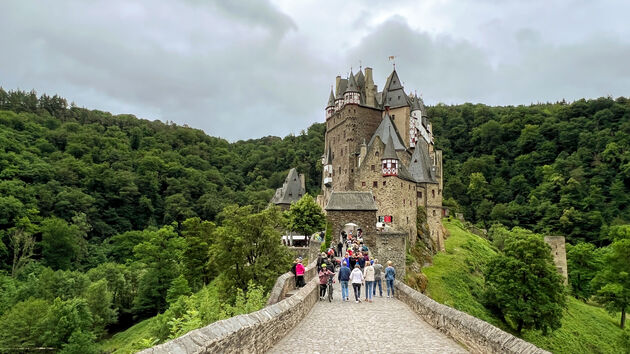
520 327
623 317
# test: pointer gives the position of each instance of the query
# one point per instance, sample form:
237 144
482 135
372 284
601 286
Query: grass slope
455 279
129 341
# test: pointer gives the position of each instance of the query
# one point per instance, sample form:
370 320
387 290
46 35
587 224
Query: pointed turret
394 93
352 94
330 107
390 159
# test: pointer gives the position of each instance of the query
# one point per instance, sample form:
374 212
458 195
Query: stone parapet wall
286 283
256 332
476 335
309 253
390 246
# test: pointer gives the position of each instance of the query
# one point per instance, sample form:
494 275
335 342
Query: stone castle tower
382 142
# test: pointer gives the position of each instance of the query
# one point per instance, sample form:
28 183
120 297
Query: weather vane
392 58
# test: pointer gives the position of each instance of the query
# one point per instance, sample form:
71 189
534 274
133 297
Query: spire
390 152
331 99
416 105
352 84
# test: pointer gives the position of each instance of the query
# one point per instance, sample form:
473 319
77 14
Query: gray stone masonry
477 335
286 283
383 326
251 333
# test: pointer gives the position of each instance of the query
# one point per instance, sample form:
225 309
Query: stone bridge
296 321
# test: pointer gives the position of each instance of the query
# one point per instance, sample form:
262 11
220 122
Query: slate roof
360 78
389 152
343 84
420 168
393 93
385 129
352 84
291 190
351 201
331 99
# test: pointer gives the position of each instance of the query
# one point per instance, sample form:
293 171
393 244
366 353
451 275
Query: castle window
419 195
376 153
433 212
433 193
400 184
372 168
404 202
375 184
339 169
393 116
384 183
439 191
352 171
390 99
290 194
362 184
398 96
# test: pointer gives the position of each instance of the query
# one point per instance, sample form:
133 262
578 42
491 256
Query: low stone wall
476 335
256 332
390 246
286 283
309 253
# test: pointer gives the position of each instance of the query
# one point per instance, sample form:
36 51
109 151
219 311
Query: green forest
107 220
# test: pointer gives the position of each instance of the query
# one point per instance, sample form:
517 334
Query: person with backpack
390 276
324 274
356 277
344 277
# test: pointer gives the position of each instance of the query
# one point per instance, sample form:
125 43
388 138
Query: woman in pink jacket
299 274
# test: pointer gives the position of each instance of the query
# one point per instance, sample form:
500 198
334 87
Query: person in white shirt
356 277
368 275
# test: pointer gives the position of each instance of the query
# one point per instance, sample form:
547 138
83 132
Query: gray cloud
253 68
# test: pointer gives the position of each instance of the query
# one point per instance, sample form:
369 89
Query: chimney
370 89
302 182
362 152
337 80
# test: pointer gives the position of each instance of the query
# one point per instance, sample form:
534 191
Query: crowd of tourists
354 268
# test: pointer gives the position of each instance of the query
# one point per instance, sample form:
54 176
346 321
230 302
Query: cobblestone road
383 326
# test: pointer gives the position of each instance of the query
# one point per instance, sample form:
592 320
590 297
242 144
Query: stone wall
256 332
394 196
286 283
476 335
559 254
389 246
365 219
307 253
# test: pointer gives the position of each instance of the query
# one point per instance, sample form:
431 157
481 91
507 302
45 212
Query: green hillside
455 279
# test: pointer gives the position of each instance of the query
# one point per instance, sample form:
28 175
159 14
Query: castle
380 145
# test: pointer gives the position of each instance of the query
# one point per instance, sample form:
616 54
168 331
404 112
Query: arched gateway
352 207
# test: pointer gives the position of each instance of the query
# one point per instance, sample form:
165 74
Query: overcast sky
246 69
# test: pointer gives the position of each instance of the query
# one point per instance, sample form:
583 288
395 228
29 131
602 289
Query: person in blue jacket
390 275
344 277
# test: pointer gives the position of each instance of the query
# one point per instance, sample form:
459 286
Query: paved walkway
384 326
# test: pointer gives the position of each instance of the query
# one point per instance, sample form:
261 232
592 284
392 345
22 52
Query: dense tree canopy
553 168
522 283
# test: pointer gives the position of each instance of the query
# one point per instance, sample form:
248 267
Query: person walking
361 260
320 259
324 274
339 248
357 279
378 271
390 276
344 277
368 274
299 273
